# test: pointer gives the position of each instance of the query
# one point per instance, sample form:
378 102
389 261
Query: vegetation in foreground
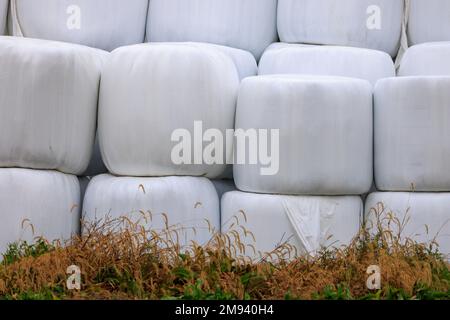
119 259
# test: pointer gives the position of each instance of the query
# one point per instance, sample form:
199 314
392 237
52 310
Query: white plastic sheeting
429 21
37 203
306 222
412 126
48 104
3 15
188 202
366 64
103 24
428 59
325 134
148 91
373 24
244 24
426 215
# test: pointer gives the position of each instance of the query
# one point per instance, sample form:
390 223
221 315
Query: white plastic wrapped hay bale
428 59
48 104
429 21
366 64
3 15
103 24
373 24
188 202
37 203
151 92
412 126
424 217
307 223
323 145
244 24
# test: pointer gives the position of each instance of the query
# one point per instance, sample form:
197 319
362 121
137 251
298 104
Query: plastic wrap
189 203
103 24
307 223
373 24
325 135
366 64
148 91
423 217
429 21
412 126
3 15
37 203
244 24
429 59
48 104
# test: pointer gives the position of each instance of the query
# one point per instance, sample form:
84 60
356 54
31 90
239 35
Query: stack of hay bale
412 130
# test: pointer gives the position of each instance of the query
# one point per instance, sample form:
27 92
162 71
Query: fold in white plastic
223 186
48 104
244 24
373 24
3 15
148 91
103 24
96 165
366 64
424 216
37 203
325 135
188 202
412 130
428 59
305 222
429 21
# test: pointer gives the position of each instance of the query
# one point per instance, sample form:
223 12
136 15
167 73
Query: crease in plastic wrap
48 103
372 24
307 223
150 91
365 64
189 203
102 24
412 126
426 216
244 24
36 203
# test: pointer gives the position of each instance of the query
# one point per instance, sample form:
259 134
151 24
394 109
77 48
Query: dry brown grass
120 259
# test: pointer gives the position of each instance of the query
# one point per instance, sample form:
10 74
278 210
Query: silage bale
267 223
149 91
48 104
325 135
373 24
412 126
36 203
366 64
189 205
103 24
244 24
